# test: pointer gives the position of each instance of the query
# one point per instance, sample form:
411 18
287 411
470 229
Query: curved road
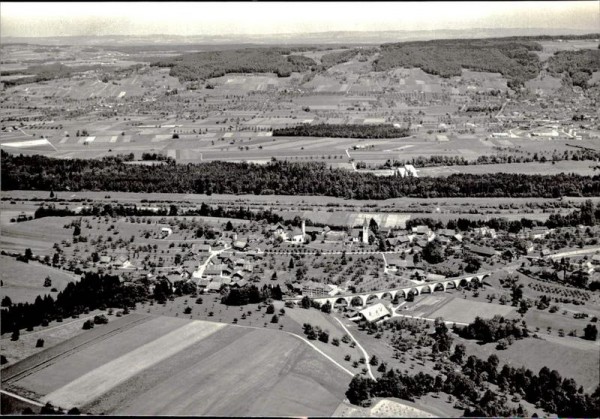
359 347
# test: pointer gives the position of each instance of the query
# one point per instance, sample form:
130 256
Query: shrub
39 343
100 319
89 324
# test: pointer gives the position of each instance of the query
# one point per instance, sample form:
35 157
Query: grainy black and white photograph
300 209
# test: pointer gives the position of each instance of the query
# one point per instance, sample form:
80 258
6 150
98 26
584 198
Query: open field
23 282
131 372
579 362
464 311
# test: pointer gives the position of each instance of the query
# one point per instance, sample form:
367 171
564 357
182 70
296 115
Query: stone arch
387 294
341 301
355 299
370 298
436 287
414 290
463 281
482 277
448 283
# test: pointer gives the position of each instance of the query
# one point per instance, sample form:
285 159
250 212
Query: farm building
374 313
481 250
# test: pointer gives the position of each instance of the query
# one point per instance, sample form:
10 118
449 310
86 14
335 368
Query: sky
21 19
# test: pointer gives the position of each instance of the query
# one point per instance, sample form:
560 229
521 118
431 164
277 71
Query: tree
88 325
590 332
374 361
228 226
324 336
433 252
28 254
76 231
188 310
459 353
517 294
15 335
270 309
100 319
305 302
523 307
275 319
6 302
291 264
326 308
359 389
39 343
47 282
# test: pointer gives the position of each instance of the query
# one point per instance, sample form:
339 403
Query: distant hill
355 37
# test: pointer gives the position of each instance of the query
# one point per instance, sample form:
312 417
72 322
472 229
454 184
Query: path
202 267
321 352
427 319
359 347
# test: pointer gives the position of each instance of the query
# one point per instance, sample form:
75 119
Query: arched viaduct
415 289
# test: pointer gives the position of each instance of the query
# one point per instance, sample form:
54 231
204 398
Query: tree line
93 291
283 178
342 131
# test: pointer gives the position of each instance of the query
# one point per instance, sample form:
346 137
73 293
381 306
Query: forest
578 66
282 178
342 131
208 64
547 389
514 59
334 58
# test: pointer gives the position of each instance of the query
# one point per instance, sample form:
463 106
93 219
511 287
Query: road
23 399
321 352
366 355
202 267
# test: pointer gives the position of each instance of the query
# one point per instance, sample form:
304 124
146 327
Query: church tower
365 234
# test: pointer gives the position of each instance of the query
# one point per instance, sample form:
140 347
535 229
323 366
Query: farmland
311 230
192 357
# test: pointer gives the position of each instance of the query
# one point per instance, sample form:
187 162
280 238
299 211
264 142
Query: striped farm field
160 366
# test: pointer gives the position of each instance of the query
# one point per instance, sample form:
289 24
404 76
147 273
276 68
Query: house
434 277
237 275
481 250
485 232
446 232
375 312
214 286
215 270
539 232
240 245
202 249
105 260
278 230
399 241
395 262
120 260
203 283
166 232
596 259
313 289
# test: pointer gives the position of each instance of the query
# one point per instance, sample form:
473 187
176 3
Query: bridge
362 299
